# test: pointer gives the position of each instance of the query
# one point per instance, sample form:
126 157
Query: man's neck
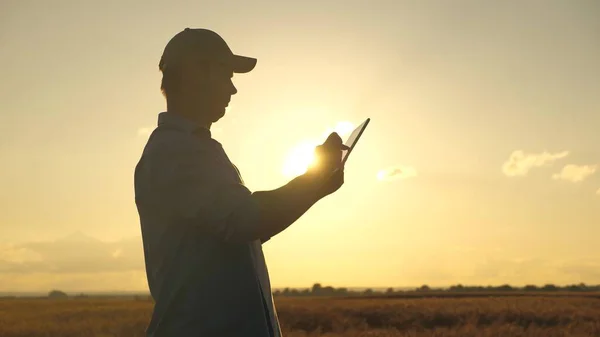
194 114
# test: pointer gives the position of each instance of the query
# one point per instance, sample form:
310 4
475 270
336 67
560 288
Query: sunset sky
480 165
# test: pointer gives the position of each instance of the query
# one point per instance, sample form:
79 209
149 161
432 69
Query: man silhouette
202 229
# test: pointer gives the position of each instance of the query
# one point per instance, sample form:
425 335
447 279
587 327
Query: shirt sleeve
196 190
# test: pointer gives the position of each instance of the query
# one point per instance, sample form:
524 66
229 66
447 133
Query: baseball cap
206 45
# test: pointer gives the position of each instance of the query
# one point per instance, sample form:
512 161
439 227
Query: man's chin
218 115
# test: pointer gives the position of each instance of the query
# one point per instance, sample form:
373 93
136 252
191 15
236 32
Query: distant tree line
54 294
319 290
530 287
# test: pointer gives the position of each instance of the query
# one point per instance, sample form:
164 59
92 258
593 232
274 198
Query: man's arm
189 183
280 208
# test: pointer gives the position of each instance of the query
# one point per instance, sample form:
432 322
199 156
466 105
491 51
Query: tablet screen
353 139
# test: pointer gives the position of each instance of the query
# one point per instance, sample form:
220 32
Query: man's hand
281 207
327 171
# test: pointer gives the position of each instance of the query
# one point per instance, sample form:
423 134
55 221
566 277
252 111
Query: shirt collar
179 122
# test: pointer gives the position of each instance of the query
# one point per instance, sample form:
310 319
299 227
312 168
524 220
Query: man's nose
233 89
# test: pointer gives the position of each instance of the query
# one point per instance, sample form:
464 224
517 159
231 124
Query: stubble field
543 316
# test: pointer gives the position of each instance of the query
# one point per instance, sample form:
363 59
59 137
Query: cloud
507 270
575 173
520 162
396 172
72 263
537 270
75 253
586 269
144 132
42 282
117 253
16 254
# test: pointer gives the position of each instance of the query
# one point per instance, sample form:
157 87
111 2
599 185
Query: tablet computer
353 139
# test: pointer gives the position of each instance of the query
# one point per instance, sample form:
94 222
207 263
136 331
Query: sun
299 159
302 156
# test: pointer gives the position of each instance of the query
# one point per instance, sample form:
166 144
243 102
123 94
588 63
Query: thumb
334 141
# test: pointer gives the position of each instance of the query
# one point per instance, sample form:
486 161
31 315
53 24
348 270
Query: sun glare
302 155
299 159
342 128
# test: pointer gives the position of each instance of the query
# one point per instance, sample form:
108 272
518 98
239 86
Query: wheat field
540 316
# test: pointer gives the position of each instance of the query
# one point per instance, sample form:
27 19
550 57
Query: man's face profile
209 84
221 87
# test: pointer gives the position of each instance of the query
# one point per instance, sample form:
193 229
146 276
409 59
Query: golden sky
479 165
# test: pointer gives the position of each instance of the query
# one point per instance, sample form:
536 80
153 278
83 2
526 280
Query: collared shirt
202 242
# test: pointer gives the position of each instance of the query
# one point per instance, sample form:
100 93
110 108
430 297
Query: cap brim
242 64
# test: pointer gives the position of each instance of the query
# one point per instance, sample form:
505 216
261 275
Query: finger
334 141
332 157
333 146
338 177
